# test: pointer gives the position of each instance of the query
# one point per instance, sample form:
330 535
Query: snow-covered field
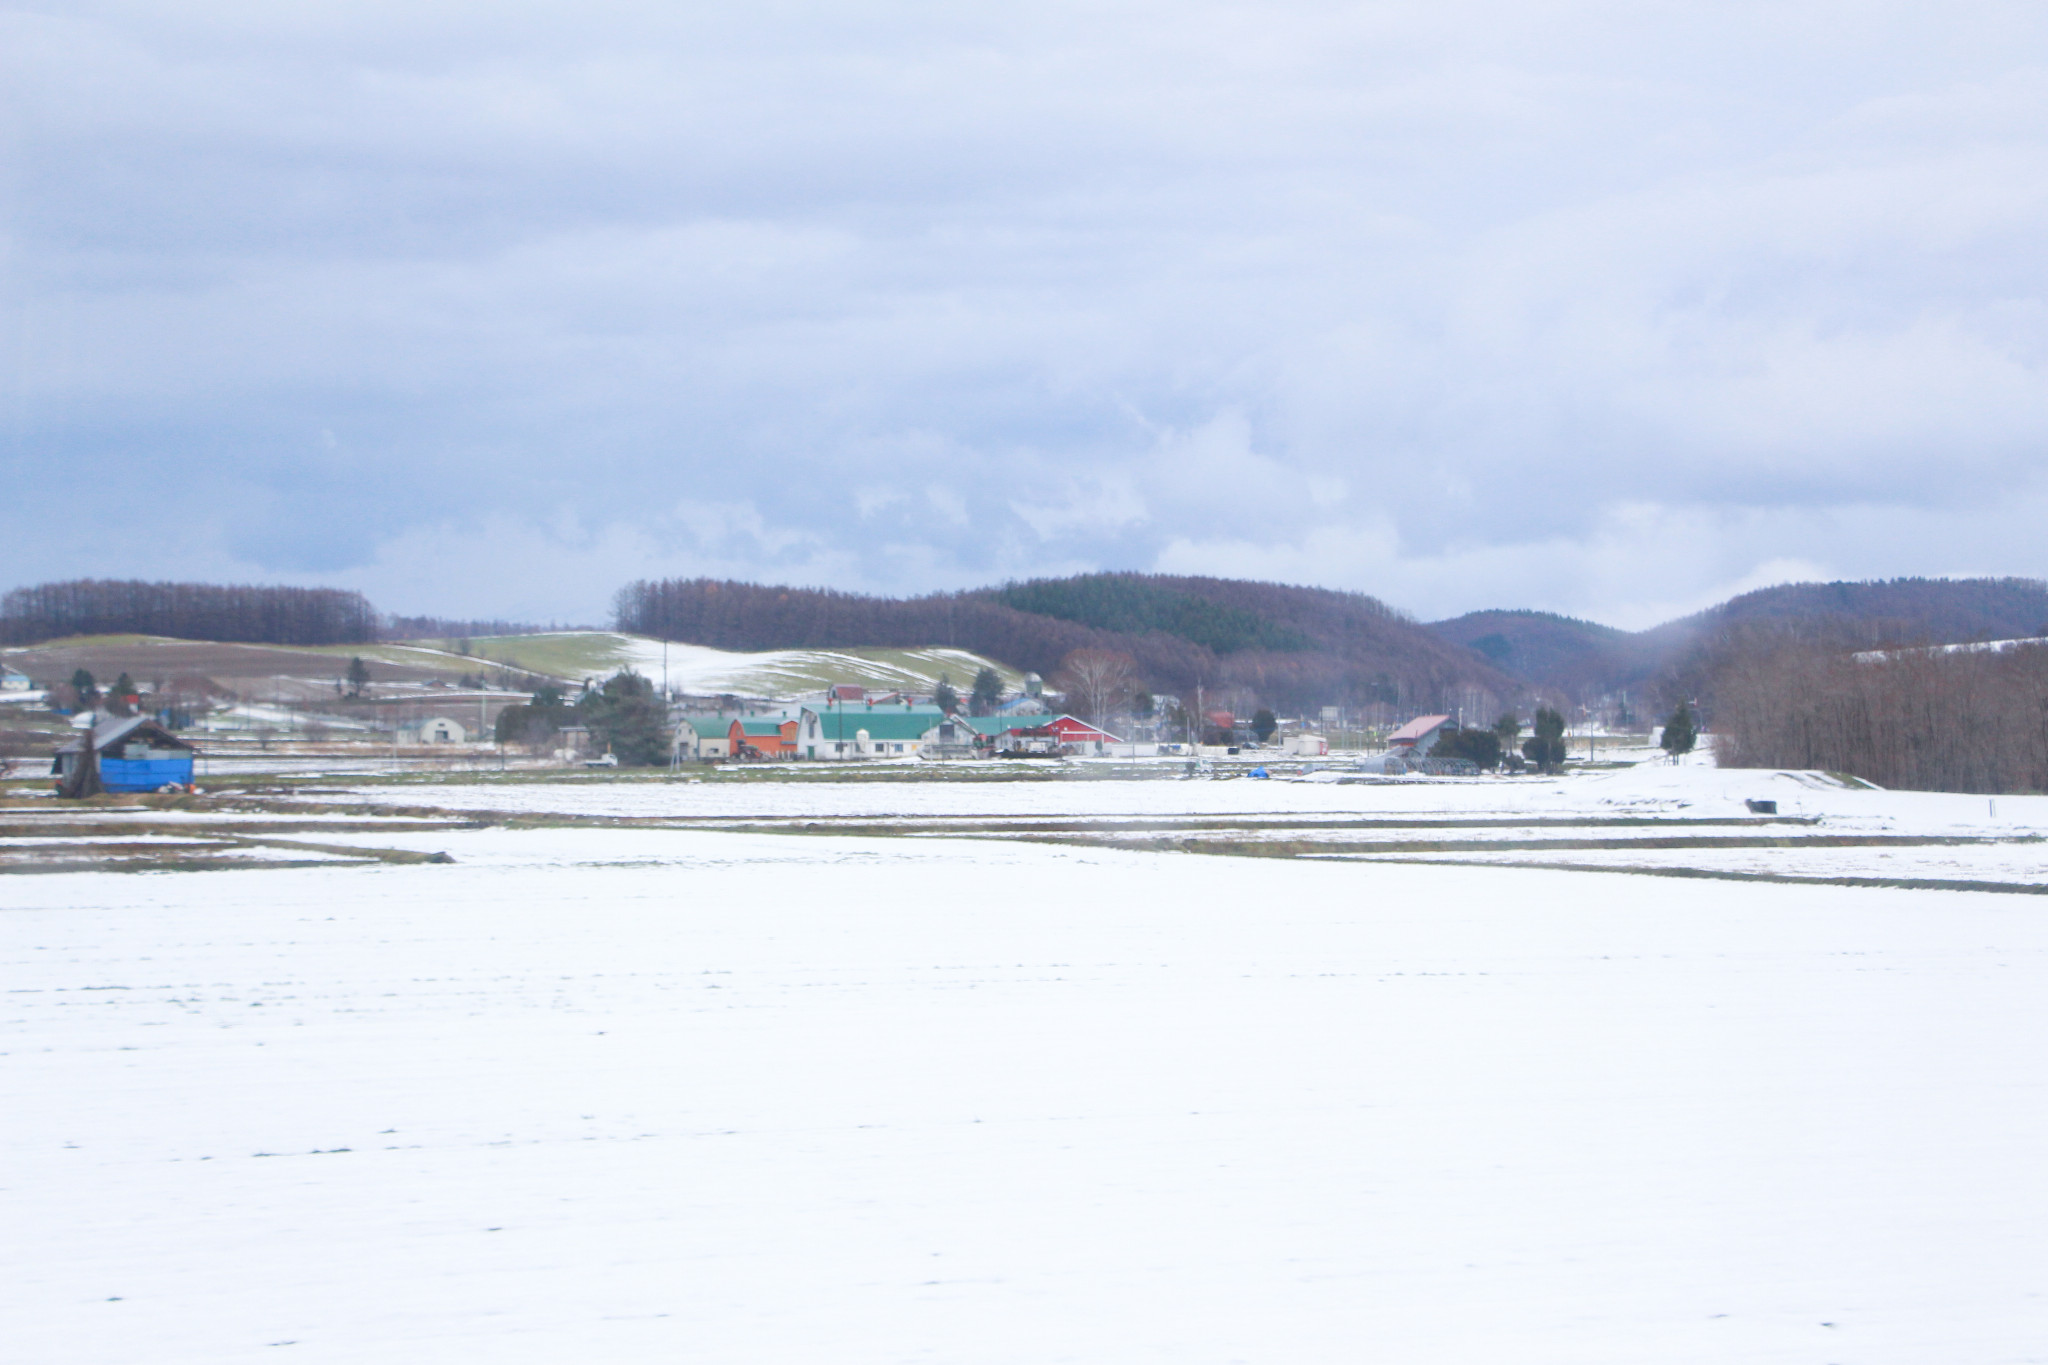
1692 821
646 1093
1695 787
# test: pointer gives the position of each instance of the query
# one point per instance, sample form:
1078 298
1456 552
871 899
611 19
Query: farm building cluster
843 729
537 720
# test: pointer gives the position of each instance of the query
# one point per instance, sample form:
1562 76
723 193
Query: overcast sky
1609 309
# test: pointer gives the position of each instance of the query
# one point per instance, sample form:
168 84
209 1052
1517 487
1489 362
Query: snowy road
896 1100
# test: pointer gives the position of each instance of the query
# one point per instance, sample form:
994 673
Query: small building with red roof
1418 736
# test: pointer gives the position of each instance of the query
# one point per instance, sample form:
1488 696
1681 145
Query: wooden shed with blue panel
136 754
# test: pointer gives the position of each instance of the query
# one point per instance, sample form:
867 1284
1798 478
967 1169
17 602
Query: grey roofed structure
122 730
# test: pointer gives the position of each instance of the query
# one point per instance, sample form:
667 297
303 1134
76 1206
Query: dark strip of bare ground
1707 874
219 851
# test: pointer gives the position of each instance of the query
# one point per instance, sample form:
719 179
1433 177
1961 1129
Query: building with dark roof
136 754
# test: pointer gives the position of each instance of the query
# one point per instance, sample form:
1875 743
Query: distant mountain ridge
1582 658
1905 610
1562 652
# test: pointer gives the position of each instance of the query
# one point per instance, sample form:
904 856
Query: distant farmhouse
704 738
1418 736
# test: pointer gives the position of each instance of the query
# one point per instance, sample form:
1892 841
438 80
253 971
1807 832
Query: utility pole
84 778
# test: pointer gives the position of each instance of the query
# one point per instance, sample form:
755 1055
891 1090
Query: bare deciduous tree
1095 681
1919 719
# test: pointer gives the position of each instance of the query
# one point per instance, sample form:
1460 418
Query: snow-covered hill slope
577 655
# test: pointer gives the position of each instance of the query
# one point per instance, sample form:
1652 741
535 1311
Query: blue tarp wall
144 774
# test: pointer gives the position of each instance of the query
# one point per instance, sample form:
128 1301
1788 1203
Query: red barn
1079 734
762 737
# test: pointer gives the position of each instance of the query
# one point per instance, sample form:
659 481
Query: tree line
239 613
234 613
1919 719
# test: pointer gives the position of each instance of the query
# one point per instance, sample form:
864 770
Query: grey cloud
488 308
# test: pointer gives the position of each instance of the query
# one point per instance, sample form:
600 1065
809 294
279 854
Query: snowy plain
645 1093
1692 790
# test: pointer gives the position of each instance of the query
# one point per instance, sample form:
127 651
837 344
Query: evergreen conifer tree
1545 749
987 692
1681 731
1482 747
626 715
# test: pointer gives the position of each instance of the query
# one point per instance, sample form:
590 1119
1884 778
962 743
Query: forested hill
1579 658
1292 647
1583 659
1892 611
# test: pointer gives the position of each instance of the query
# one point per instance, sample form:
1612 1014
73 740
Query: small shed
441 730
136 754
14 680
704 737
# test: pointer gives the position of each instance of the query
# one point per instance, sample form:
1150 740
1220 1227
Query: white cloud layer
1594 307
